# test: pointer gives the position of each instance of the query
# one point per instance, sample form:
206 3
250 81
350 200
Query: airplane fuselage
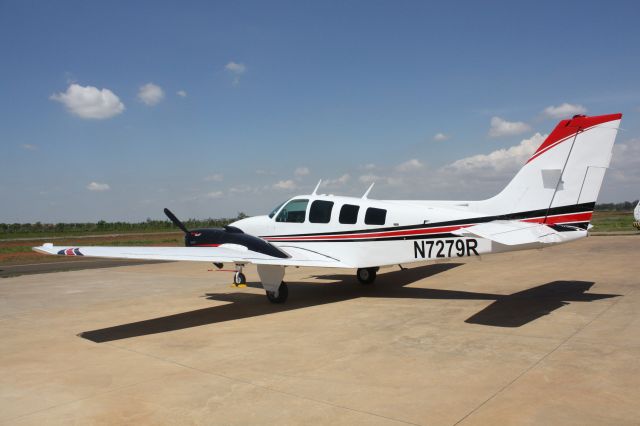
389 232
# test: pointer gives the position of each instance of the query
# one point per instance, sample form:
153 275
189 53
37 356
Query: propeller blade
175 220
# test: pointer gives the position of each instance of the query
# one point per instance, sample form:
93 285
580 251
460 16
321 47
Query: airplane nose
255 225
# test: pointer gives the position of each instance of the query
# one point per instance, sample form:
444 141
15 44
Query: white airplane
550 201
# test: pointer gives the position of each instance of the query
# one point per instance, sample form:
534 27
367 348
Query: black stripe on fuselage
575 208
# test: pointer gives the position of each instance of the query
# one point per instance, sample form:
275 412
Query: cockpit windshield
274 211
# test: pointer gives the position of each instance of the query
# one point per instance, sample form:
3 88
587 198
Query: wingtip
44 249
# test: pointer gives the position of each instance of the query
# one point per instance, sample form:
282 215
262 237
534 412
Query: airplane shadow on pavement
512 310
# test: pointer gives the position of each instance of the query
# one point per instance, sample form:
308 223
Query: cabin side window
295 211
375 216
349 214
320 211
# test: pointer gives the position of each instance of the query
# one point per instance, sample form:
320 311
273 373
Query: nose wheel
239 278
280 295
366 275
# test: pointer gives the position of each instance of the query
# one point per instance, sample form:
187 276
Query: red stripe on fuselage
561 218
372 234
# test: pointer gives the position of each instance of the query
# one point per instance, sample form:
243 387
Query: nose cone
256 225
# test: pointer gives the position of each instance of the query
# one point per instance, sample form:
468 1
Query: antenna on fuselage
317 186
364 197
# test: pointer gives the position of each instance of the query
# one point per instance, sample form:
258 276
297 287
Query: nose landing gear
239 280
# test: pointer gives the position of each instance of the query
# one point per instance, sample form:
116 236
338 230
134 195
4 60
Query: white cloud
214 194
89 102
262 172
29 147
368 178
216 177
369 166
285 184
439 137
342 180
96 186
564 110
409 165
386 180
236 69
501 159
181 93
623 177
150 94
501 127
241 189
302 171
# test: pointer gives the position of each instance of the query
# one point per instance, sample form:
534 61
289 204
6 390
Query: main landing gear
280 295
277 290
366 275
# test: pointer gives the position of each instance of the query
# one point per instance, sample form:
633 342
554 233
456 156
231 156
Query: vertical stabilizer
566 170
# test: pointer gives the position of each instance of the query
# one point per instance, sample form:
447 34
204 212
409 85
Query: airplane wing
225 253
513 232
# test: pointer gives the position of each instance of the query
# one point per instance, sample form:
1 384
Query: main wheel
279 296
239 278
366 275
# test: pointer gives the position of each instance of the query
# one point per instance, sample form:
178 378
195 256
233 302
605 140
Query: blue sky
276 95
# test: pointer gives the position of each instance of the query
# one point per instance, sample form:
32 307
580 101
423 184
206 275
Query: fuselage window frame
284 215
320 211
349 214
375 216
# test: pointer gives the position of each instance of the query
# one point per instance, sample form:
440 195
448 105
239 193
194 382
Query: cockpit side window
295 211
320 211
274 211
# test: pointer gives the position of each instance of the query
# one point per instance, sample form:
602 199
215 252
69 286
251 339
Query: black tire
366 275
283 293
239 278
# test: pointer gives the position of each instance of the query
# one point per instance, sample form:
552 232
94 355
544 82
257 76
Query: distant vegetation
625 206
26 230
603 222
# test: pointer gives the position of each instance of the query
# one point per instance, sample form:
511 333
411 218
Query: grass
20 252
613 221
71 234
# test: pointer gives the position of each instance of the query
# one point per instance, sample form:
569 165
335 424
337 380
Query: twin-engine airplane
550 201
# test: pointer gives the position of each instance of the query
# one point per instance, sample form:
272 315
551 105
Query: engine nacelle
213 237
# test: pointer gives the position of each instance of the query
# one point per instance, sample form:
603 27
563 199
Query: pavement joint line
538 362
98 394
250 383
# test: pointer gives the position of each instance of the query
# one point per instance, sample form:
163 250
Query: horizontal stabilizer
513 232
